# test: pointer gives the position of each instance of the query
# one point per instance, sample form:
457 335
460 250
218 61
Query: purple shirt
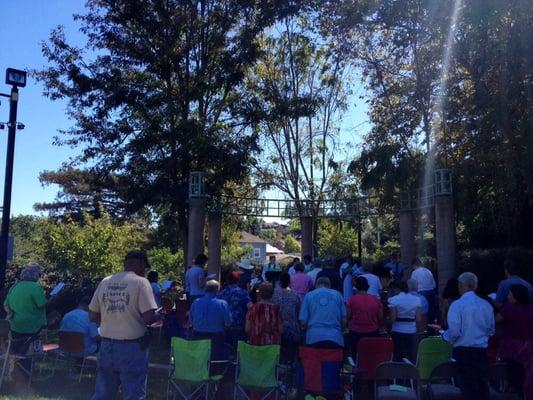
301 283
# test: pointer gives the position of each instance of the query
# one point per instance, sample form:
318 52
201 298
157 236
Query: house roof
249 238
273 250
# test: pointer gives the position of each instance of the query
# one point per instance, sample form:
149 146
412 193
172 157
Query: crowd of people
322 303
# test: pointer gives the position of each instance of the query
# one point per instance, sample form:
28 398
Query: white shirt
343 267
313 273
424 278
406 305
470 322
292 271
374 285
308 267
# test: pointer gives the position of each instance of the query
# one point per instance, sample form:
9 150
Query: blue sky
23 26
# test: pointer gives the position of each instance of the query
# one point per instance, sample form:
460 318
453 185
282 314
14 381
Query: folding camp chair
5 347
441 383
390 379
71 348
500 387
190 361
256 370
370 353
432 351
322 372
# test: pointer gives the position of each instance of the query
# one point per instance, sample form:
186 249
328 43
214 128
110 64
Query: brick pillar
445 239
407 236
195 241
307 235
214 238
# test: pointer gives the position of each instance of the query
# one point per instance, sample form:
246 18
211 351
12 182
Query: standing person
195 278
317 268
426 286
332 274
123 305
77 320
449 295
412 285
308 263
511 278
516 343
264 324
153 278
365 314
272 266
289 303
238 301
323 316
470 324
25 306
395 267
347 283
292 270
210 317
301 283
347 263
245 279
405 315
374 282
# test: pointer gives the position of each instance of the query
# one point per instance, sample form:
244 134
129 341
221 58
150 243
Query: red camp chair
370 353
321 372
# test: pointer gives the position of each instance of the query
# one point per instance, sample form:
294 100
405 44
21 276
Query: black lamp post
16 78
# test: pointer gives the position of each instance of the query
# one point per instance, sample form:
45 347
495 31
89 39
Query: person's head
412 285
329 262
317 263
233 278
467 282
324 282
361 284
519 294
284 280
307 259
265 291
212 287
299 267
152 276
402 286
31 272
296 260
136 261
200 260
384 275
510 267
84 303
272 259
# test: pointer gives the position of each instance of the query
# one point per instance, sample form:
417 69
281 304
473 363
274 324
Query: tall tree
151 93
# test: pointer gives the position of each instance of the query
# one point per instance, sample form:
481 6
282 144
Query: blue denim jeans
121 363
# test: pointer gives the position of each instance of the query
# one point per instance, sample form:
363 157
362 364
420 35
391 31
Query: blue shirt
209 314
192 280
323 310
237 299
156 289
505 285
78 321
424 308
470 322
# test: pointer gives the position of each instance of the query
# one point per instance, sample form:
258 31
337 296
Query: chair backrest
432 351
257 365
5 329
445 371
321 369
191 359
371 352
71 342
392 371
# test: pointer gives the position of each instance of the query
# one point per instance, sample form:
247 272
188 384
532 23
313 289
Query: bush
169 265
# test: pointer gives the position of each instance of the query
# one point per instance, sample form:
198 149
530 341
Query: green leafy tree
337 239
91 249
291 244
169 264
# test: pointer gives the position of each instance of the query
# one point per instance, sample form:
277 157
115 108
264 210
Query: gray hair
468 280
323 281
212 286
31 272
412 285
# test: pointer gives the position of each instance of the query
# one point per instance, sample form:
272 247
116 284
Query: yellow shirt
121 299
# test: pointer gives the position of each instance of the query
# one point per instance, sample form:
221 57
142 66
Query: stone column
214 237
195 241
407 236
445 238
307 235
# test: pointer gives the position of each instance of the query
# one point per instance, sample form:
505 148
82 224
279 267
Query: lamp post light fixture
16 78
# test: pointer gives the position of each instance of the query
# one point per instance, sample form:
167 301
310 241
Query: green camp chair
256 370
190 361
432 351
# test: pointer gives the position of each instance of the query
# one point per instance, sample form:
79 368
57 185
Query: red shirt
364 313
264 320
